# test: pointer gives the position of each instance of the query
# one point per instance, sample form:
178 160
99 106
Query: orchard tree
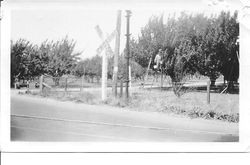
60 58
168 37
180 63
35 62
79 69
217 50
96 67
18 59
91 67
209 59
25 61
229 32
152 38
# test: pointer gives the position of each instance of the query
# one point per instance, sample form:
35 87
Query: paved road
41 119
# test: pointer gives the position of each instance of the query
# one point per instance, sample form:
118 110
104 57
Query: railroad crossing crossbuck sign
105 45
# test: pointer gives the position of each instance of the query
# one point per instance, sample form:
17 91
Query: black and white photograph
164 73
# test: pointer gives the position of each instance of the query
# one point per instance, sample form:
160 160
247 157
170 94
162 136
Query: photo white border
8 146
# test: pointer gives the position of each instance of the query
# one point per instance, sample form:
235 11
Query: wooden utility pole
117 52
128 53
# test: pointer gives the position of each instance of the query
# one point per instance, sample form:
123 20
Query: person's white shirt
157 60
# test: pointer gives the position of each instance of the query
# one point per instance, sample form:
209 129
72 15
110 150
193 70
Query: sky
38 22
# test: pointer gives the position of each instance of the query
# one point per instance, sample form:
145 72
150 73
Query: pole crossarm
106 44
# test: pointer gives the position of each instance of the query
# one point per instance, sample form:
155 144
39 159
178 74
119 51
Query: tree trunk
98 79
230 85
212 80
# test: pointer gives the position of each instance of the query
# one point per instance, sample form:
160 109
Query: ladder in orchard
155 75
146 77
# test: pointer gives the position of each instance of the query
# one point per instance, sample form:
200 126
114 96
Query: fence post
117 52
161 79
66 79
28 85
121 88
82 79
208 91
41 84
130 77
15 84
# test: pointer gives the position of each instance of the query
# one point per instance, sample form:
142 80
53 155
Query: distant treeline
57 59
192 44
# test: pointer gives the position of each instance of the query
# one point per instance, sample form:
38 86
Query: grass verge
224 107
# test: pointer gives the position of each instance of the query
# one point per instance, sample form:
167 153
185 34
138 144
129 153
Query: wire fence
71 83
64 83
